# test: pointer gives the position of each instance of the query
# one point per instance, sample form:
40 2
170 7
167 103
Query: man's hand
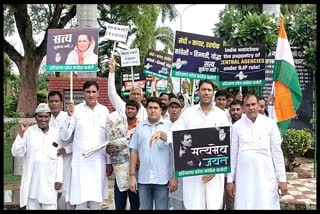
70 108
173 185
110 148
270 100
109 169
207 178
230 189
61 152
155 137
283 187
23 127
57 185
112 64
133 184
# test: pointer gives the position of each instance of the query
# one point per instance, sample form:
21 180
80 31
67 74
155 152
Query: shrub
295 143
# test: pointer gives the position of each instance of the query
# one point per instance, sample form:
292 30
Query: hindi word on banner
116 32
139 80
130 57
242 66
72 50
196 56
201 151
158 64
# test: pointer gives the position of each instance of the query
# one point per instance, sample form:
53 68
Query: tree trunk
27 102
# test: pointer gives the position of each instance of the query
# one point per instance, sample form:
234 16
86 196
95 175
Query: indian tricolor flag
287 91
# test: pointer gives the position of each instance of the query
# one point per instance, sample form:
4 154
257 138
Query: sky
196 18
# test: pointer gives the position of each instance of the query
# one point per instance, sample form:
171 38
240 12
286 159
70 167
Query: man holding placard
117 102
200 192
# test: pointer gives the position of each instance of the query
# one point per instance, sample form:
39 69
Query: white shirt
196 195
57 122
88 176
118 103
257 163
41 165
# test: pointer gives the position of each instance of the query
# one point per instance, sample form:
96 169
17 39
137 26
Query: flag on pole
287 91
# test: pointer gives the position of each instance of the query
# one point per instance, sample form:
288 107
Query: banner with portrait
201 151
72 50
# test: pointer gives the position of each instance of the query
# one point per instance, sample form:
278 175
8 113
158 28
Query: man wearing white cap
42 169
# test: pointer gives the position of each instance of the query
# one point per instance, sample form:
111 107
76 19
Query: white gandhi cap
43 108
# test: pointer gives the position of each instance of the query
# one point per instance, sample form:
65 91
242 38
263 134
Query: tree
30 20
165 36
7 74
141 28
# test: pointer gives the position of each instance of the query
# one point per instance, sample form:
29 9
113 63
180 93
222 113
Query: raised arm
115 99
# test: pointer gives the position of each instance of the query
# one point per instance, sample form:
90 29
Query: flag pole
132 75
192 94
114 47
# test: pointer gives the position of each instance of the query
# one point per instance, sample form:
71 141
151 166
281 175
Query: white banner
116 32
130 57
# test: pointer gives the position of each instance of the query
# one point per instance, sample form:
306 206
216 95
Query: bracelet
132 174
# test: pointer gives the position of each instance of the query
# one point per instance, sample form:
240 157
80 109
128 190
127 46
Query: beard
164 106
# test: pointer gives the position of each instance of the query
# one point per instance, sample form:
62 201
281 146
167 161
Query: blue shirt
155 161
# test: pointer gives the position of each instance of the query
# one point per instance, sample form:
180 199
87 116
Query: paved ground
301 195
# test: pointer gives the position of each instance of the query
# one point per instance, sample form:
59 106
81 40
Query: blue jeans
120 198
159 193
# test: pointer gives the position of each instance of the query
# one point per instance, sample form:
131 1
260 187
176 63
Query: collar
198 107
85 104
146 122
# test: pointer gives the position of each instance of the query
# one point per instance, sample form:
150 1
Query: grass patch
8 176
9 179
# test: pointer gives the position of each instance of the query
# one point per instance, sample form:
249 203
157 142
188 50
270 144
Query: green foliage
164 35
141 19
9 128
250 29
295 143
8 28
310 55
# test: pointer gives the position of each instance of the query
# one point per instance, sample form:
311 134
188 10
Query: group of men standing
57 175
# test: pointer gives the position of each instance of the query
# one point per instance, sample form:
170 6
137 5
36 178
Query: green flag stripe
285 73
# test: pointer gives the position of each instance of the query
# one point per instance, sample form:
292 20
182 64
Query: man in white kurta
86 124
57 119
116 101
42 169
257 163
201 192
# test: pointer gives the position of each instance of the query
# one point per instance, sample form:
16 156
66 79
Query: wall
63 83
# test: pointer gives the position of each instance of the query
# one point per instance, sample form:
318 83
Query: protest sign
130 57
116 32
242 66
201 151
72 50
139 79
158 64
196 56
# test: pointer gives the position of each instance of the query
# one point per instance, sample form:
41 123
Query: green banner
238 83
72 68
155 74
191 75
206 171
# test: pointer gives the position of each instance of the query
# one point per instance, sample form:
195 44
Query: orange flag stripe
283 105
282 32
